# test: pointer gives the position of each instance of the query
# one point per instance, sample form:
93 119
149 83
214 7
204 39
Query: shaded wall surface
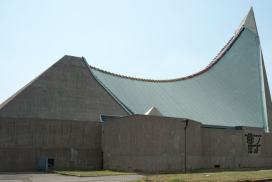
72 144
268 99
150 143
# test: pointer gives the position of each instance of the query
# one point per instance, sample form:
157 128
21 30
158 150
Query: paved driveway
48 177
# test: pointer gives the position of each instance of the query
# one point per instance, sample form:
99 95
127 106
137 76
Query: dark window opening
216 166
51 162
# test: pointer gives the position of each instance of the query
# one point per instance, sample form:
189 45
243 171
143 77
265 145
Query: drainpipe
185 120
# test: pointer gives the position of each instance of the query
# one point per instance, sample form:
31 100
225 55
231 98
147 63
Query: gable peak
249 22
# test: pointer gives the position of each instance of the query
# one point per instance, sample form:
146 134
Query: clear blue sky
139 38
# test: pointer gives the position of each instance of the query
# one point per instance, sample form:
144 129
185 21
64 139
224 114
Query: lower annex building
86 118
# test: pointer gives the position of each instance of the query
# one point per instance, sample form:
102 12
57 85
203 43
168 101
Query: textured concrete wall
67 90
230 148
43 113
150 143
221 147
73 144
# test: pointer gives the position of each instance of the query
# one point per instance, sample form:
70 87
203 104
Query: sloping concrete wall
73 144
150 143
51 117
67 91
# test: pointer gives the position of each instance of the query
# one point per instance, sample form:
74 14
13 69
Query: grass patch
218 176
203 170
197 175
227 169
91 172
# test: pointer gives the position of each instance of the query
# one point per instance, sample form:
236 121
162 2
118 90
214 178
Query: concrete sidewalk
35 176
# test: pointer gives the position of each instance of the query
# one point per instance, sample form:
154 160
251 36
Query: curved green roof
229 92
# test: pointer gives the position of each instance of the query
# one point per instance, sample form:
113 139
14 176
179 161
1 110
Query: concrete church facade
228 104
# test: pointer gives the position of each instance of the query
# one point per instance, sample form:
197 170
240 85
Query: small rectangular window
51 162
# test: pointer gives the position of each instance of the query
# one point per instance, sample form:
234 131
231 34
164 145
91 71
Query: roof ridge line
217 58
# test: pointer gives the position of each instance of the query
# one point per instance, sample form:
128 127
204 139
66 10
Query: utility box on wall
45 163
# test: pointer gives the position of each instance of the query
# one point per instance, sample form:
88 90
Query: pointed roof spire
153 112
249 22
